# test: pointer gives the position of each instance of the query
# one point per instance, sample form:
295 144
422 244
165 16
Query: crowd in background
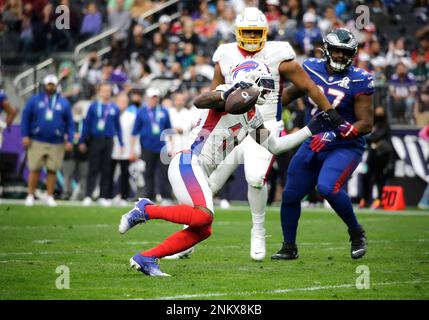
176 57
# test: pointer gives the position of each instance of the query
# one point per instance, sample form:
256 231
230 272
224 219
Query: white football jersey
217 133
274 52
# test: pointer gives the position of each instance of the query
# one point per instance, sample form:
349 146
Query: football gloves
319 141
319 123
241 84
345 129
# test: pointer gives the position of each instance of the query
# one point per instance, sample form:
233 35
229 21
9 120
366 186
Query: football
241 100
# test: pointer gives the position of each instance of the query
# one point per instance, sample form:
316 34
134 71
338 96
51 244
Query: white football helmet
257 73
251 18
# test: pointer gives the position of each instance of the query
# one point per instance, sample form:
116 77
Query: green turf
34 241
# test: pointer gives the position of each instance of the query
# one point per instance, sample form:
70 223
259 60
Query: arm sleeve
26 118
277 145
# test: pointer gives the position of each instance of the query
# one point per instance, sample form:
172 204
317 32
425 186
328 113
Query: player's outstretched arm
210 100
277 145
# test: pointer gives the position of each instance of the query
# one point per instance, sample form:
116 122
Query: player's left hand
347 130
319 123
241 84
319 141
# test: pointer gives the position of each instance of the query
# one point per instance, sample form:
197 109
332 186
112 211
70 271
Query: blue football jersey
340 88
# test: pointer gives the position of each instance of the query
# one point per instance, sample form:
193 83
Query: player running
215 136
251 28
328 159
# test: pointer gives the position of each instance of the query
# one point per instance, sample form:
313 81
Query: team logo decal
345 83
246 66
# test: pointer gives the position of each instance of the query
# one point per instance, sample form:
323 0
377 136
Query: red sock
179 241
182 214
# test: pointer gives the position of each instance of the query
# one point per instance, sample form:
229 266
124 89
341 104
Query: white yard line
279 291
238 207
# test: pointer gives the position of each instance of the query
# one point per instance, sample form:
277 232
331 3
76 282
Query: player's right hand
319 141
241 84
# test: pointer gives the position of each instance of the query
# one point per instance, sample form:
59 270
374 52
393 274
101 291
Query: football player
251 28
328 159
215 136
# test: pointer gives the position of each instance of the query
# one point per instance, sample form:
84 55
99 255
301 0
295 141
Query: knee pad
204 218
291 196
255 180
203 232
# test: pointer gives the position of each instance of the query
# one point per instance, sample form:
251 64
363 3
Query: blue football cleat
135 216
148 265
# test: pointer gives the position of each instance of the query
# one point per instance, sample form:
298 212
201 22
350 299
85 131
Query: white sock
258 202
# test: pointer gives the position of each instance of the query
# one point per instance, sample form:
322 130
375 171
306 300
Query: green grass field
35 241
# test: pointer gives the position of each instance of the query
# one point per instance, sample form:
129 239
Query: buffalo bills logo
247 66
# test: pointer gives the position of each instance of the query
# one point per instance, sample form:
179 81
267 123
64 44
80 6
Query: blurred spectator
294 10
140 44
188 57
75 162
379 16
379 162
188 33
113 5
398 53
284 29
152 119
421 70
46 131
309 35
12 14
181 122
402 91
120 17
329 21
100 126
225 26
69 82
273 12
164 25
424 200
5 106
121 155
422 101
92 22
90 74
140 7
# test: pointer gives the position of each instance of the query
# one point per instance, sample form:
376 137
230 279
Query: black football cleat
359 243
287 252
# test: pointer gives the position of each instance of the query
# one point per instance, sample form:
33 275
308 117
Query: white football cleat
224 204
29 201
105 202
50 201
87 202
257 244
180 255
